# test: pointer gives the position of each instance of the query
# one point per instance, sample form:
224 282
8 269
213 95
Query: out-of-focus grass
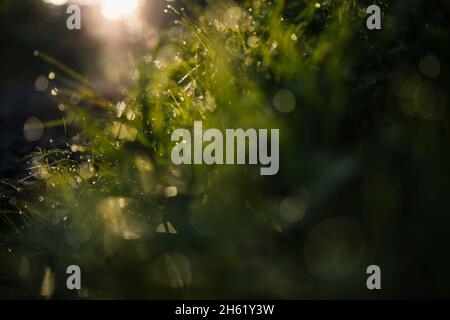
138 226
112 199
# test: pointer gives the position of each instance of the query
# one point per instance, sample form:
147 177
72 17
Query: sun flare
115 9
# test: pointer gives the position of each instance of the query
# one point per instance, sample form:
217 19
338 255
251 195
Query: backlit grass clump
112 202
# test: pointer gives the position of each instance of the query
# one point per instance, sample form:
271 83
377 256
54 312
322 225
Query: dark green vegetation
364 163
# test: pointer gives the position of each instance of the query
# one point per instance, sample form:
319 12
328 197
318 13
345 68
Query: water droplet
430 66
41 83
334 248
253 42
292 209
171 191
33 129
284 100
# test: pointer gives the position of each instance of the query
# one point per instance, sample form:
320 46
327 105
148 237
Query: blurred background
102 51
364 162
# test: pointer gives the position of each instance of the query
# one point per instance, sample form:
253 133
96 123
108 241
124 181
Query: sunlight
115 9
110 9
56 2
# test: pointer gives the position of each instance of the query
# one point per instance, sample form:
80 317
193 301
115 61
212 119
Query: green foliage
138 226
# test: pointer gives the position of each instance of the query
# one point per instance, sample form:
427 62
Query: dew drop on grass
41 83
430 66
120 108
292 209
253 41
170 191
33 129
284 100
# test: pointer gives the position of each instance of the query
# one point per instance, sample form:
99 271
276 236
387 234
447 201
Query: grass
112 201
